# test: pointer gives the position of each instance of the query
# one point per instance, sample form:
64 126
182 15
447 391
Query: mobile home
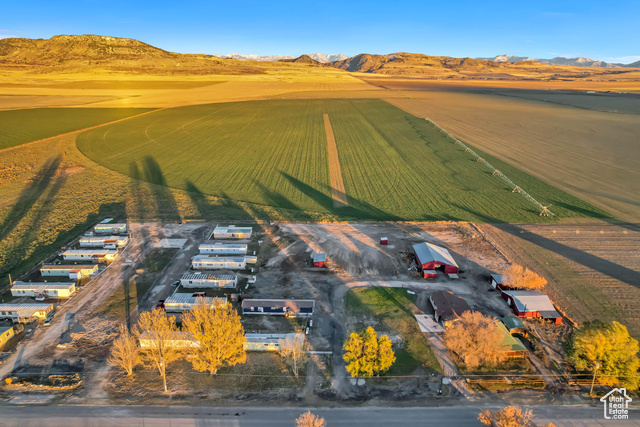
203 262
278 307
269 342
206 280
106 242
111 228
223 249
180 302
232 232
25 313
91 255
43 289
74 272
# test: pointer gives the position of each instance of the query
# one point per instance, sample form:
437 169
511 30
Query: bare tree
475 339
159 333
310 420
295 351
125 352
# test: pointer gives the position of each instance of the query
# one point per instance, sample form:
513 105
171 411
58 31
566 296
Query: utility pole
594 377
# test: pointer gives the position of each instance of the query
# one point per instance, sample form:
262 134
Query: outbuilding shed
448 307
511 346
43 289
319 259
278 307
532 304
515 326
430 257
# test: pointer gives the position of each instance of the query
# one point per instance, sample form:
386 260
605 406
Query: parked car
160 305
176 283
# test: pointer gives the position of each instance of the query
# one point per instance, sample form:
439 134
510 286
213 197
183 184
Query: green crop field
20 126
274 153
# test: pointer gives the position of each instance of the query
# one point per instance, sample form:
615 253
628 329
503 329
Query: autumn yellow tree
125 352
367 354
475 338
511 416
608 350
159 333
310 420
295 351
518 277
219 333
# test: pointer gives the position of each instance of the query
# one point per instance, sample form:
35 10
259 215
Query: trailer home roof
294 305
206 276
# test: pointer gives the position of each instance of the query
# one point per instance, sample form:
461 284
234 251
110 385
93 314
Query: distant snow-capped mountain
320 57
559 60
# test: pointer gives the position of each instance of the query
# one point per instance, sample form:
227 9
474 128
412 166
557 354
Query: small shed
498 282
430 257
429 274
319 259
384 241
515 326
532 304
447 307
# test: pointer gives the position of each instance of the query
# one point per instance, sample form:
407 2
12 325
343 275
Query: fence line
495 172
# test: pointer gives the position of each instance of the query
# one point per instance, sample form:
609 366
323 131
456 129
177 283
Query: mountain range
559 60
81 53
320 57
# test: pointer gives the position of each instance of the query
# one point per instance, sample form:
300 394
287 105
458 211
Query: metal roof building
107 242
278 307
94 255
511 346
74 271
532 304
110 228
430 257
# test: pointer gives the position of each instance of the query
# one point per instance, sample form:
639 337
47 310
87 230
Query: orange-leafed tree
310 420
519 277
475 338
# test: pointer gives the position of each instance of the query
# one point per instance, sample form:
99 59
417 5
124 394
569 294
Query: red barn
430 257
532 304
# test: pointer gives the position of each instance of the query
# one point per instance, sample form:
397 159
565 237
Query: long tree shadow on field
29 195
359 210
151 172
208 211
581 257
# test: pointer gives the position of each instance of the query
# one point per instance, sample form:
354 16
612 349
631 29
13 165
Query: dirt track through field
338 191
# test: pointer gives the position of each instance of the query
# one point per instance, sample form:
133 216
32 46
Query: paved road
177 416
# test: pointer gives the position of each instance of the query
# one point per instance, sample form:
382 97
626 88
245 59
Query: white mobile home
181 339
178 303
25 313
74 272
278 307
91 255
251 259
232 232
111 228
43 289
206 280
223 249
106 242
269 342
203 262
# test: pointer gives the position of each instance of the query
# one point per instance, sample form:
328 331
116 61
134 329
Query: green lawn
20 126
274 153
393 308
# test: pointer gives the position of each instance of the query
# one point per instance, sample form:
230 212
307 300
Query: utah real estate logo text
616 404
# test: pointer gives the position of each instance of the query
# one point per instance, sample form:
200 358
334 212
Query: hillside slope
77 53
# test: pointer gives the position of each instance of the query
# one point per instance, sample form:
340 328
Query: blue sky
605 30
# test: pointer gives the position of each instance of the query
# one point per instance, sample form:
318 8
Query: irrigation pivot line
544 210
